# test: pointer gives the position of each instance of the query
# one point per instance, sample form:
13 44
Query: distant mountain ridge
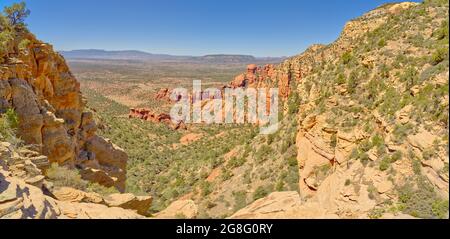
114 55
97 54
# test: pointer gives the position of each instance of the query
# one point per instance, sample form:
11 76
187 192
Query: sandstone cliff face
37 83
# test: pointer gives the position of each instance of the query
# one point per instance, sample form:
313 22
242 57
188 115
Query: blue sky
195 27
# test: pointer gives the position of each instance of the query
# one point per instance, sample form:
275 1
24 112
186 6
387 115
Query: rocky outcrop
163 95
182 209
25 194
37 83
262 77
141 204
149 115
288 205
19 200
277 205
190 138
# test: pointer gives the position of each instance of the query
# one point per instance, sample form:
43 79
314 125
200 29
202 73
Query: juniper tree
16 14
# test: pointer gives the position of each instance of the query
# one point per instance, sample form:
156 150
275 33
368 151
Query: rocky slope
373 119
36 82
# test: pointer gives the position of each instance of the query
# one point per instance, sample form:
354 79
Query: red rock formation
163 94
261 77
149 115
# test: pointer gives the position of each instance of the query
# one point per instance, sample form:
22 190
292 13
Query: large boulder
140 204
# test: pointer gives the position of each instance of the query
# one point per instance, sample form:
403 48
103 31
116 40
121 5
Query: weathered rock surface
19 200
186 209
141 204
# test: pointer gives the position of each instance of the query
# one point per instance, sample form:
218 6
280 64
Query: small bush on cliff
261 192
439 55
64 177
24 44
5 38
347 57
9 122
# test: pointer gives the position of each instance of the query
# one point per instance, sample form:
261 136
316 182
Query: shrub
382 43
348 182
439 55
422 201
385 164
442 32
260 192
206 188
270 139
240 200
24 44
377 141
9 122
340 80
396 156
347 57
226 175
376 213
102 190
410 77
352 82
293 103
262 153
440 208
64 177
236 162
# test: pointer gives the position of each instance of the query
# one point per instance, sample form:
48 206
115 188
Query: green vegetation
347 57
9 122
16 14
62 176
12 23
422 201
240 200
439 55
261 192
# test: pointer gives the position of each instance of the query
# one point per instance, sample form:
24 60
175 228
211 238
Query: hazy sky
192 27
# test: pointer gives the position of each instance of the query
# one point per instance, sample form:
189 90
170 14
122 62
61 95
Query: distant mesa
96 54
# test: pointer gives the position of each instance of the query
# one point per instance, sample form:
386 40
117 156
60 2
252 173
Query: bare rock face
38 84
110 163
186 209
141 204
275 206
